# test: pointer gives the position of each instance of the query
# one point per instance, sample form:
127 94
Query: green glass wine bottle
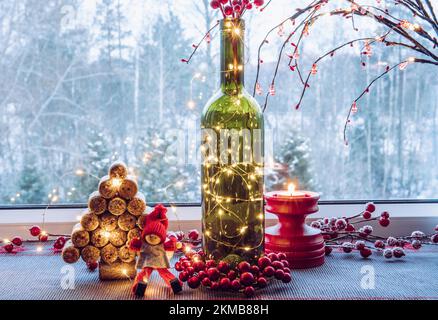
232 163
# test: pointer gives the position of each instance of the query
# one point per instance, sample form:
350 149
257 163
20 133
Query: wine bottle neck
232 56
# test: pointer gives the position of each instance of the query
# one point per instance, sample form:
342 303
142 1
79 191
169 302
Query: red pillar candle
302 244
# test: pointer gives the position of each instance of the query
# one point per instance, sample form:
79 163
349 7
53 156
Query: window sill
406 216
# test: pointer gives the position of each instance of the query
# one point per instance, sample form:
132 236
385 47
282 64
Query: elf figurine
152 249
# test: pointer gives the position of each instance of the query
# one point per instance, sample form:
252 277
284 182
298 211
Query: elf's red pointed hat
156 223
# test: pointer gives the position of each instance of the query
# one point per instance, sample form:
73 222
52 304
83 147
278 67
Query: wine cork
118 237
100 238
80 238
126 221
117 206
90 254
108 187
118 170
108 222
137 206
134 233
126 255
141 221
96 203
109 254
70 254
128 188
89 222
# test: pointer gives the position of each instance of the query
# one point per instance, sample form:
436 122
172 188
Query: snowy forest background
85 82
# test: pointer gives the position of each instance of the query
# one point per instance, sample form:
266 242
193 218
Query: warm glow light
6 241
237 31
191 104
79 172
39 249
291 188
106 234
116 182
125 272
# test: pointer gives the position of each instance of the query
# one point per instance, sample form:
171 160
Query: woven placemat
28 275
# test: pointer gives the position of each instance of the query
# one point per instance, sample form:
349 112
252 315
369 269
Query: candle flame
291 188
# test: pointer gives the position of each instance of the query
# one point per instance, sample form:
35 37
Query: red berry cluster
15 242
183 243
43 236
244 277
235 8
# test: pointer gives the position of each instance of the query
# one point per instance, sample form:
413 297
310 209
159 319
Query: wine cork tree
112 219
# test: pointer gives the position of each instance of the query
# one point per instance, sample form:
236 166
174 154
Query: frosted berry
385 215
360 245
287 270
417 234
206 282
247 279
244 267
202 274
35 231
223 267
367 229
384 222
235 285
416 244
398 252
379 244
328 250
436 228
17 241
366 215
366 252
370 207
213 274
387 253
316 225
225 283
347 247
434 238
9 247
391 241
263 262
350 228
249 291
193 282
190 271
341 224
269 271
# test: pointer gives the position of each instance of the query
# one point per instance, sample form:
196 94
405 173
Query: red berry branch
415 38
347 235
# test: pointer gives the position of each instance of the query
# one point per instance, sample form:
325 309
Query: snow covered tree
293 159
32 185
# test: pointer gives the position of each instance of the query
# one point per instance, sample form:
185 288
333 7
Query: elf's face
152 239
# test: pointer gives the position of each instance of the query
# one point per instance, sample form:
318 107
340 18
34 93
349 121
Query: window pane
86 82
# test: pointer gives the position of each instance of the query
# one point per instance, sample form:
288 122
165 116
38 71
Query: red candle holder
303 245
